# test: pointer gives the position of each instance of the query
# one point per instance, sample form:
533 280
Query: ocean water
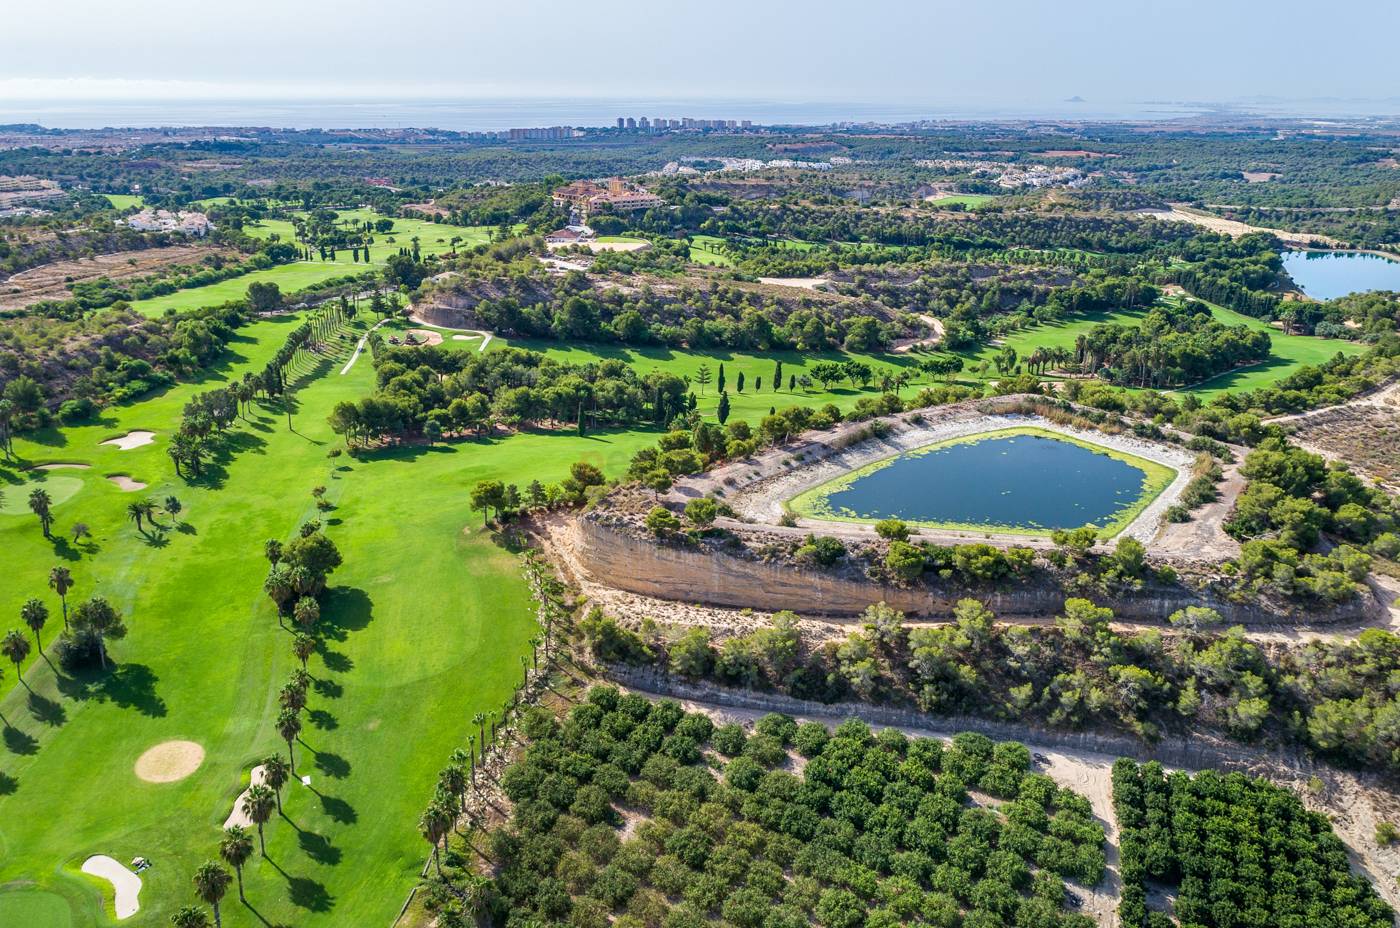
496 114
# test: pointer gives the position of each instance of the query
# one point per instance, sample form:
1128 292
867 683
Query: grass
815 503
706 249
424 629
969 200
434 238
124 200
1288 353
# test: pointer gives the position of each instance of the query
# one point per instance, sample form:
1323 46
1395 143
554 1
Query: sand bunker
127 885
126 483
61 465
238 816
132 439
169 761
800 283
425 336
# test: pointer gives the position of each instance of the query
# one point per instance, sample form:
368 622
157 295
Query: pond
1022 481
1326 275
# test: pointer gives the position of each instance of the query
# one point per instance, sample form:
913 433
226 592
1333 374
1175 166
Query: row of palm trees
35 615
143 512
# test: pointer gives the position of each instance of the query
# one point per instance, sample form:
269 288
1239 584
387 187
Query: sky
871 51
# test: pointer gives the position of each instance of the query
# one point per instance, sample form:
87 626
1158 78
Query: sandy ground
933 322
133 439
126 484
464 334
426 336
169 761
61 465
597 247
1232 227
559 264
125 884
51 281
237 816
800 283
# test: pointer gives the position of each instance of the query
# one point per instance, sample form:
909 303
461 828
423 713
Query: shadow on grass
338 809
347 609
45 710
309 894
331 764
323 720
130 686
318 847
8 784
20 742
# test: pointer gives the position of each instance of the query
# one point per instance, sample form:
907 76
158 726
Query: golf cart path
359 347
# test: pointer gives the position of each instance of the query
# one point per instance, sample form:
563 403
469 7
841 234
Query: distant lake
1326 275
1017 481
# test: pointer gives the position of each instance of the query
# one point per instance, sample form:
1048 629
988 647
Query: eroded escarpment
749 559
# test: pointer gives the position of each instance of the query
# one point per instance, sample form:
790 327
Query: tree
258 804
306 611
138 510
41 504
777 375
661 521
98 617
701 512
436 822
35 615
289 727
172 506
303 646
719 382
211 882
264 297
61 581
16 647
739 384
722 411
703 376
189 916
486 496
235 847
892 530
276 773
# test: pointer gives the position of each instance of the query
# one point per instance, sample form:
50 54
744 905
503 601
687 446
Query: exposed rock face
613 555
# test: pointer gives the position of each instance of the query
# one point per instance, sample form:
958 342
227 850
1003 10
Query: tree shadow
332 765
47 711
8 784
185 528
336 661
130 686
330 689
20 742
323 720
157 540
347 609
338 809
318 848
306 893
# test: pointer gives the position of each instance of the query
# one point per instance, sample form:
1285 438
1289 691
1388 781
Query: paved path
359 347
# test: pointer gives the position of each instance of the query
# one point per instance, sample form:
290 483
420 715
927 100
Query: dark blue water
1023 481
1326 275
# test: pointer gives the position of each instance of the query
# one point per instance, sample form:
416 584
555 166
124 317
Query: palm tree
41 504
303 646
306 611
211 882
136 512
35 614
453 780
172 506
434 825
276 773
190 916
480 721
79 531
289 726
61 581
258 804
292 698
16 647
235 848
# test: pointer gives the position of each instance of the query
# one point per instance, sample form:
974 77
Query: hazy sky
971 51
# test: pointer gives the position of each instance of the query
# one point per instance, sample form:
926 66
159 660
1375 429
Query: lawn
1290 352
124 200
969 200
434 238
705 249
425 628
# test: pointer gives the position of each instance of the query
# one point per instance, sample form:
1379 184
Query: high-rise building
631 123
644 123
620 122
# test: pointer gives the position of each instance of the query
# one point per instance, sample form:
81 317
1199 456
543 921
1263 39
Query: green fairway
705 249
433 238
423 628
124 200
969 200
1290 352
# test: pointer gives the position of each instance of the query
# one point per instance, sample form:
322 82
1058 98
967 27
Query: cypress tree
719 384
777 375
722 413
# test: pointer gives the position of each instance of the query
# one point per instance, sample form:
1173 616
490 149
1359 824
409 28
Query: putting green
16 499
34 908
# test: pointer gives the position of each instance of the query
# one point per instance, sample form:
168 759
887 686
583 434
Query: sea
489 115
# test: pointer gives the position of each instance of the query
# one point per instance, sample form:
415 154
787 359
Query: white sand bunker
61 465
238 816
132 439
801 283
126 483
425 336
127 885
169 761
